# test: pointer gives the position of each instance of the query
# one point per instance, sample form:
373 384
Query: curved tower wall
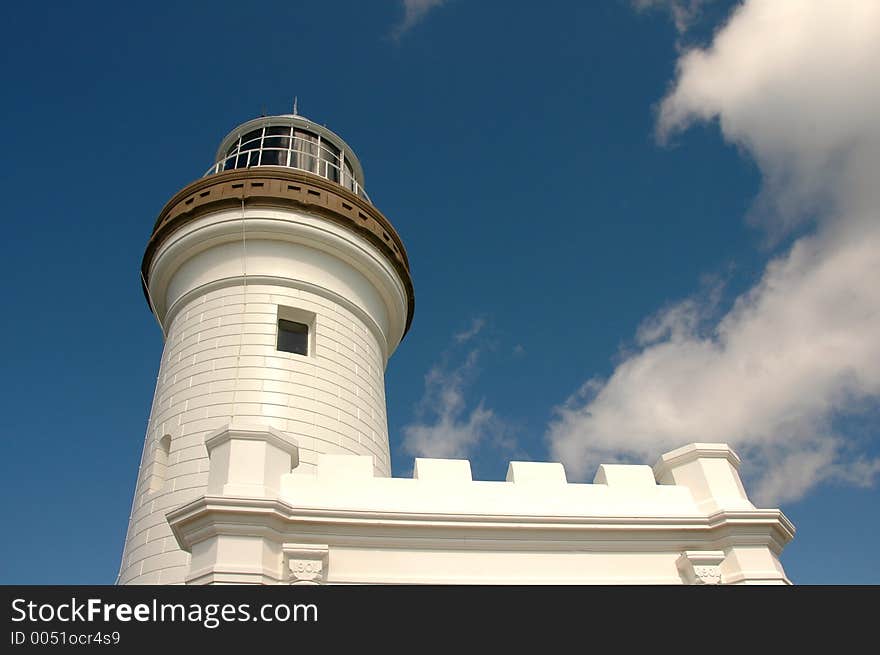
230 256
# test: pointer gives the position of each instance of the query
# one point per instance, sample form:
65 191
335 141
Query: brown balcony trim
269 186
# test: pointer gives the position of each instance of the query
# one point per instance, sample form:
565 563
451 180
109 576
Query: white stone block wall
220 364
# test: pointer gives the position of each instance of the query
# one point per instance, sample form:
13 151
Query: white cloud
794 84
446 423
414 12
477 324
445 427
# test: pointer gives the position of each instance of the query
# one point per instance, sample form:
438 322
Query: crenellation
629 476
442 470
536 472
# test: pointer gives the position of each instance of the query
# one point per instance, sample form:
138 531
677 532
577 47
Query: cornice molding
242 432
212 515
693 452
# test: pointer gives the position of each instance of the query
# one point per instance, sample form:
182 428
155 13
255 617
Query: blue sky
631 227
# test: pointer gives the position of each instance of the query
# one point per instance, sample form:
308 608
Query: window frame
302 317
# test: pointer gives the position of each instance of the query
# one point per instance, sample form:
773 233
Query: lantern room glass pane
306 145
273 158
277 136
251 139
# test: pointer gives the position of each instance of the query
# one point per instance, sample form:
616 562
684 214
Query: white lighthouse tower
282 292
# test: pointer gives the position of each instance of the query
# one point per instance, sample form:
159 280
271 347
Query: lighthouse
282 292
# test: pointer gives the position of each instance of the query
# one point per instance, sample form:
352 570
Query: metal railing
301 154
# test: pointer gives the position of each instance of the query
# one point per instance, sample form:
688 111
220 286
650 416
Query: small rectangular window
293 337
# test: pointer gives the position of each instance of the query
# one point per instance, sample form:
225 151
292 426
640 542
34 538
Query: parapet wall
698 480
687 520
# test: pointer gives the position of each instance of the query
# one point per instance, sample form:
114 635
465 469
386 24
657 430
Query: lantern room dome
291 141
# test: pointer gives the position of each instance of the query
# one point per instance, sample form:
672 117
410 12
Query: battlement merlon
690 509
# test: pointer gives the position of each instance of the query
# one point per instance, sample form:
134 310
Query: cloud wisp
779 375
414 12
477 324
682 12
445 426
